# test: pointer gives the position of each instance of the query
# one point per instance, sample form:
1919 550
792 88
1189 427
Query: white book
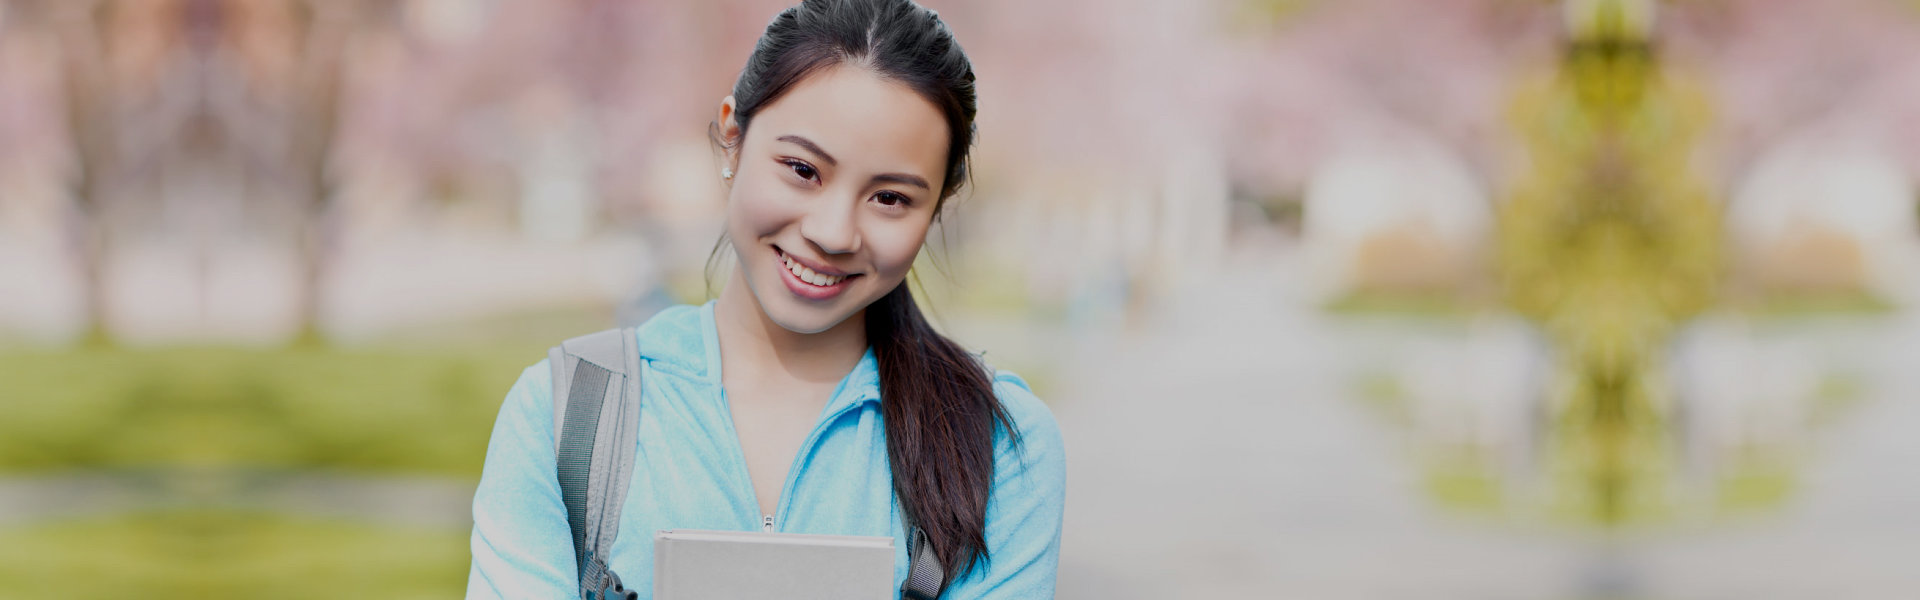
734 565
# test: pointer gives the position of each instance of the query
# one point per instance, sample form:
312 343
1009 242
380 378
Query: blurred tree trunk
90 122
313 112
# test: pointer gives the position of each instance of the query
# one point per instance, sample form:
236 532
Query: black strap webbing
924 572
589 391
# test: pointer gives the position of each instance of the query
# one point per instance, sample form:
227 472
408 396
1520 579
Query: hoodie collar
684 340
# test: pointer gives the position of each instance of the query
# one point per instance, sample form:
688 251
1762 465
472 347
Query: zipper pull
766 523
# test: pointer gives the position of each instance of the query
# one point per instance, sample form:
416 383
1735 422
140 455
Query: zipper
786 488
793 470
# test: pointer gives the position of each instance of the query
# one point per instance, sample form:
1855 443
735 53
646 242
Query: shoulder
530 400
1026 409
679 320
537 377
676 339
1038 443
666 330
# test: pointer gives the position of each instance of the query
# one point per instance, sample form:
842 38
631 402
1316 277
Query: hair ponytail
940 410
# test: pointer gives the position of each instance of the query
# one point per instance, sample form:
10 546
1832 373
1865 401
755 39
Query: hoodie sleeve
521 545
1024 507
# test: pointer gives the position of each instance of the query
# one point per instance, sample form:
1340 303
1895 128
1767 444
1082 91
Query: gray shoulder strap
596 416
925 575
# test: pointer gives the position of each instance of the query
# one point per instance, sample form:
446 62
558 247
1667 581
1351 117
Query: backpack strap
925 576
596 416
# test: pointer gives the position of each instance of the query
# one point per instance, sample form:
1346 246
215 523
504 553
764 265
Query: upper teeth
809 276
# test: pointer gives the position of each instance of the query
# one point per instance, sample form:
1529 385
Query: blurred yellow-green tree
1609 243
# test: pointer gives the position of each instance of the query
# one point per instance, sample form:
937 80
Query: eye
801 168
892 199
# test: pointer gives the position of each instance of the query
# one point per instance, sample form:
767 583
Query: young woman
812 396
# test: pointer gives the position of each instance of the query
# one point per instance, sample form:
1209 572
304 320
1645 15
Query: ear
729 133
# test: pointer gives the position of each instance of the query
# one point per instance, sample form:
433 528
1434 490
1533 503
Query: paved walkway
1216 453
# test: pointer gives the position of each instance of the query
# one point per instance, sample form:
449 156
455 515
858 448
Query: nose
832 227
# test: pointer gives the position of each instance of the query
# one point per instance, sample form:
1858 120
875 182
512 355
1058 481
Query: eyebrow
900 178
811 147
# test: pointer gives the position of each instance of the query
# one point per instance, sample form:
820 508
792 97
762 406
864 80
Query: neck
754 348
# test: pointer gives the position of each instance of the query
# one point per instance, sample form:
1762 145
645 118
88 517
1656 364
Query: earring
726 173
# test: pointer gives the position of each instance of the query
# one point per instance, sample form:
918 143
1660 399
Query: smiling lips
805 282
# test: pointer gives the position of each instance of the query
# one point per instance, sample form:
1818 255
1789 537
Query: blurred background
1488 299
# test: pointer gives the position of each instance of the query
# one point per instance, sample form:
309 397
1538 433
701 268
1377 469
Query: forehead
867 123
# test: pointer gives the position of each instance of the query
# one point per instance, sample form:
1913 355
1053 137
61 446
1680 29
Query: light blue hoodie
689 474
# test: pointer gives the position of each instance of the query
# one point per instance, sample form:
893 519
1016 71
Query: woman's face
834 188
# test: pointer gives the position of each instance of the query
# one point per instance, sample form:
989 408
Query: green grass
389 410
393 409
1813 304
1433 306
227 555
1464 483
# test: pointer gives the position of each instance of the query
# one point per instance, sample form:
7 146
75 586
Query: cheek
756 211
895 247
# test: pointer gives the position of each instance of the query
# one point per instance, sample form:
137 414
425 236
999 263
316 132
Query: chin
802 321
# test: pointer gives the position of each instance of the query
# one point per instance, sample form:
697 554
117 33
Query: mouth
806 282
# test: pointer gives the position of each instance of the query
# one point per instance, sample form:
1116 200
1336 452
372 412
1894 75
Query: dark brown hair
938 401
